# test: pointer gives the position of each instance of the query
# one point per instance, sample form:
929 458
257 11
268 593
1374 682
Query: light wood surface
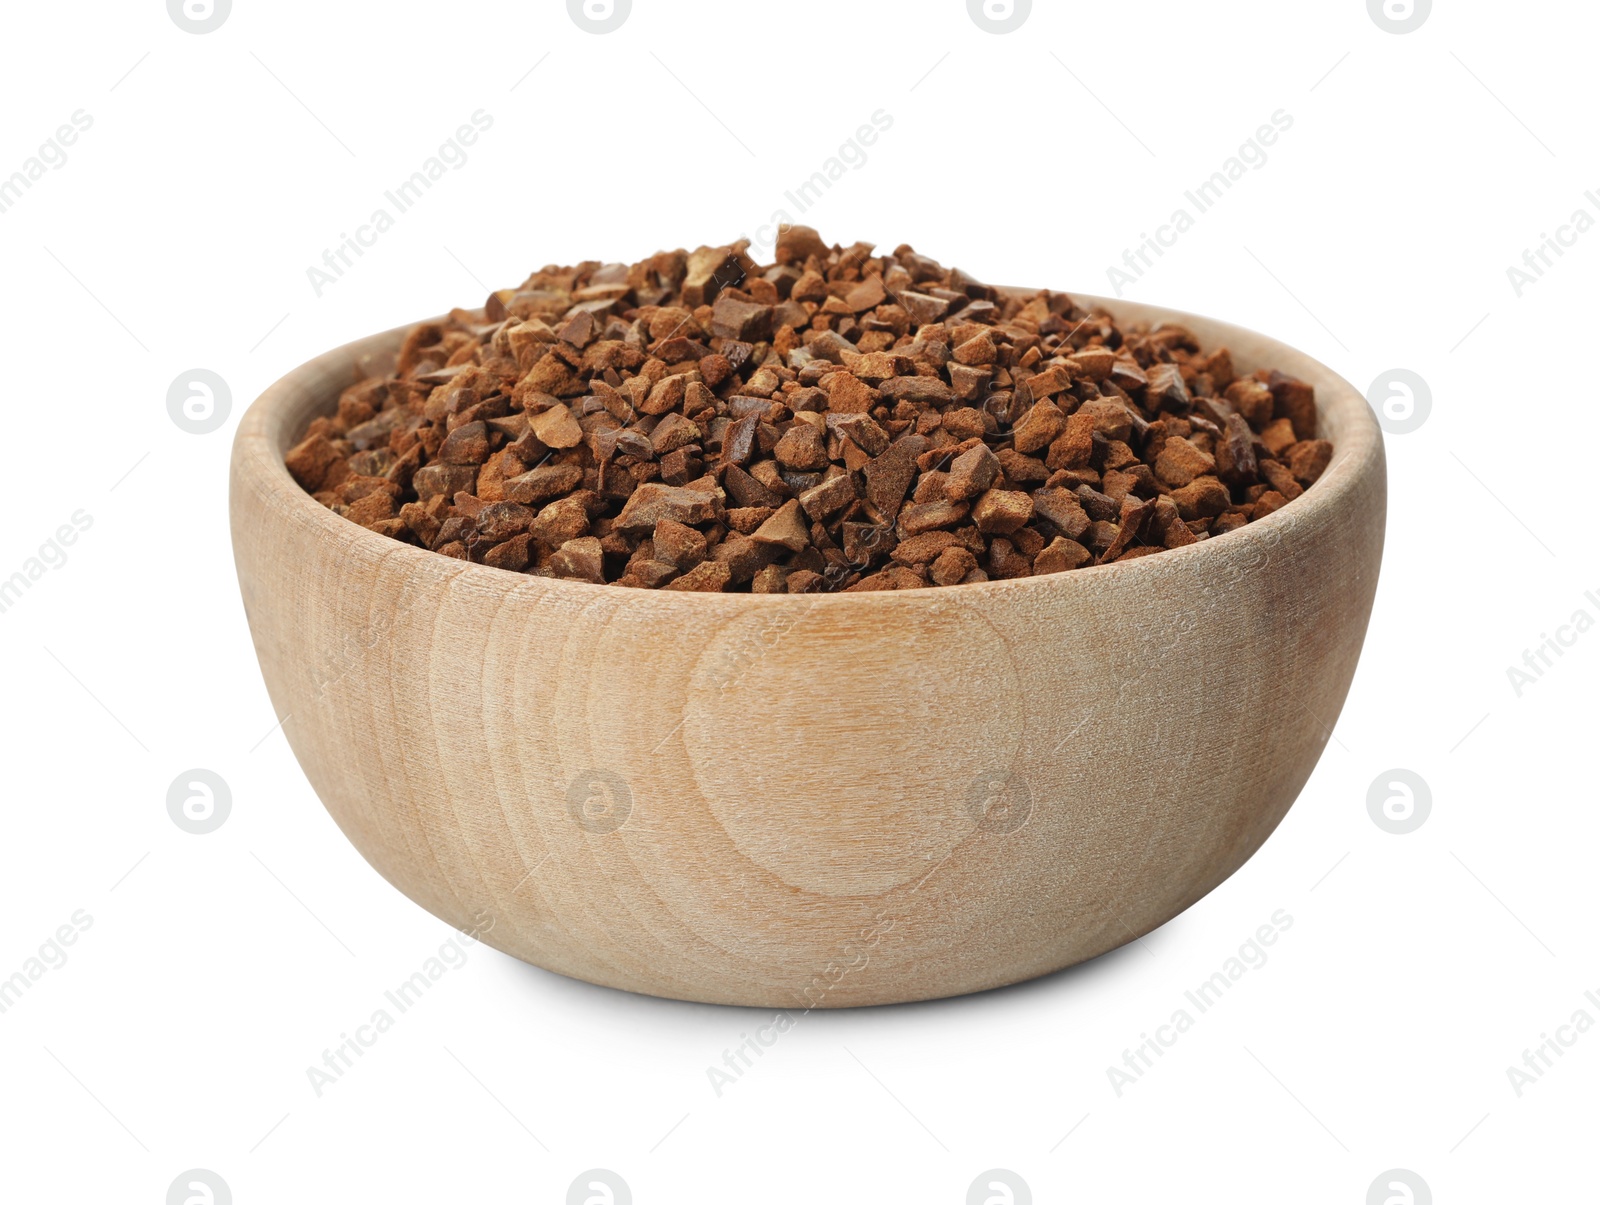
824 800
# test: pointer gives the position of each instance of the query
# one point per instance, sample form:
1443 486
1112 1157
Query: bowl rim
257 463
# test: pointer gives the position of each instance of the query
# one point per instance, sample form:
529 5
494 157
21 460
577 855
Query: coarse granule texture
837 421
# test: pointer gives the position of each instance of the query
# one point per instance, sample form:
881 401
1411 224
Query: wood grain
784 801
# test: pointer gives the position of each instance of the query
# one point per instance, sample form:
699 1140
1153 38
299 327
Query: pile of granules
837 421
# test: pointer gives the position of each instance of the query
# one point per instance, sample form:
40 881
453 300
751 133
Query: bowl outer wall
810 801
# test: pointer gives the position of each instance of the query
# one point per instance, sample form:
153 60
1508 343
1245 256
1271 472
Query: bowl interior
1344 418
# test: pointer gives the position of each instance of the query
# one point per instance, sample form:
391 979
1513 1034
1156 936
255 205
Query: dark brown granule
837 421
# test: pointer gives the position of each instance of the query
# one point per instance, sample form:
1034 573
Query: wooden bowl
808 801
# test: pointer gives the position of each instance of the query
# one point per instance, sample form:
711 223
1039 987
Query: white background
1377 235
